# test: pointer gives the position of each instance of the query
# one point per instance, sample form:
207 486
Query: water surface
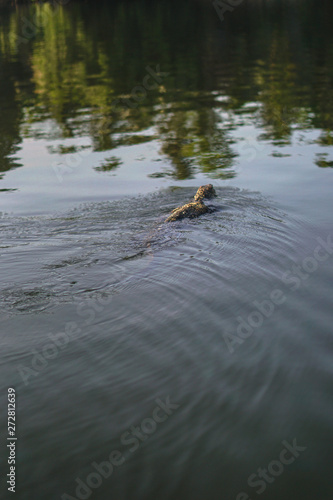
111 116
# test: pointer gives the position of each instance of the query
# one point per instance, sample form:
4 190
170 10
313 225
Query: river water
195 356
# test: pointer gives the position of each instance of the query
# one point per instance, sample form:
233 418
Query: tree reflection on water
82 59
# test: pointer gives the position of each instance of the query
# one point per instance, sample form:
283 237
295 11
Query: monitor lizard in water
193 208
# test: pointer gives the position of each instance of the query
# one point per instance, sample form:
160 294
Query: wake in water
104 247
152 321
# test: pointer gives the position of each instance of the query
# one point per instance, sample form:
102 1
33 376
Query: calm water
111 116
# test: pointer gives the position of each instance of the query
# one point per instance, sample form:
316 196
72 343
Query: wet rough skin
206 191
194 208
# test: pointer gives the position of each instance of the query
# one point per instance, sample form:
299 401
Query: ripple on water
111 247
166 295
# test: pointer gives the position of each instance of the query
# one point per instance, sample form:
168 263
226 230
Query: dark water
111 116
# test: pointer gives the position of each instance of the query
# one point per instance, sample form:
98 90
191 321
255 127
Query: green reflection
322 162
84 66
193 141
109 164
